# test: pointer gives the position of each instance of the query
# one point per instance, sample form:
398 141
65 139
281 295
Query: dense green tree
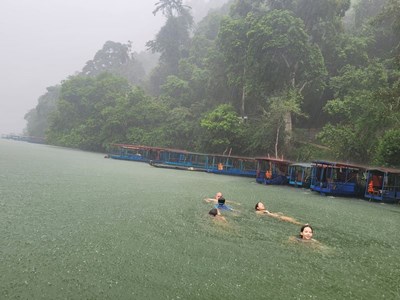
241 8
37 118
180 126
77 120
233 43
364 10
177 90
149 119
364 108
115 58
271 132
282 60
207 75
120 118
222 129
388 152
280 52
386 27
172 41
268 54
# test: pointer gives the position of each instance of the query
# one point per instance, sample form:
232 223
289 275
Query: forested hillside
302 79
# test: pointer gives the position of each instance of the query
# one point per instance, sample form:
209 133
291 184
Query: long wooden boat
180 159
232 165
383 184
159 164
335 178
134 152
300 174
272 170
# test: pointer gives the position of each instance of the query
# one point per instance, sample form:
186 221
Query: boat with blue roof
383 184
272 170
300 175
336 178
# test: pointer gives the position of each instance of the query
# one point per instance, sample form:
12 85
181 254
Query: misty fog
44 42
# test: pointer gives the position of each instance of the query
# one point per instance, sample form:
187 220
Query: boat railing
341 186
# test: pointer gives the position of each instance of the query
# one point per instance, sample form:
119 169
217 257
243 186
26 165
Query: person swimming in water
260 209
222 206
216 214
215 199
217 196
306 236
306 233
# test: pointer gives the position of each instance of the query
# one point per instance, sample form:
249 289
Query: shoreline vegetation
329 94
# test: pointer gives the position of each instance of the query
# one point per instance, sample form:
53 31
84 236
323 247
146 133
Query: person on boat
216 214
260 209
371 187
222 206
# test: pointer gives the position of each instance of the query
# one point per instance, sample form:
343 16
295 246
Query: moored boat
383 184
335 178
272 170
300 174
180 159
134 152
232 165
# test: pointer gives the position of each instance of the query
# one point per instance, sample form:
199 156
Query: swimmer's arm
208 200
233 202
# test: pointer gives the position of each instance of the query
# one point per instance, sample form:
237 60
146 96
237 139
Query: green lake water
74 225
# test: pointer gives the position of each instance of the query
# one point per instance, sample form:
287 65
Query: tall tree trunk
288 125
243 92
277 141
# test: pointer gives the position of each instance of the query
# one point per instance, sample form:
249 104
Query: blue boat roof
274 159
233 157
384 170
181 151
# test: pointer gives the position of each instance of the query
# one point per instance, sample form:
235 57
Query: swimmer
306 233
217 196
216 214
222 206
306 236
260 209
215 199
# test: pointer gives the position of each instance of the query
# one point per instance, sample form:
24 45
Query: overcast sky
43 42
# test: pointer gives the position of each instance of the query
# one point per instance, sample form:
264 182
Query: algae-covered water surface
74 225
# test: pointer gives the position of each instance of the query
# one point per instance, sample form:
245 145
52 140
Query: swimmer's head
218 195
306 232
214 212
221 201
260 206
